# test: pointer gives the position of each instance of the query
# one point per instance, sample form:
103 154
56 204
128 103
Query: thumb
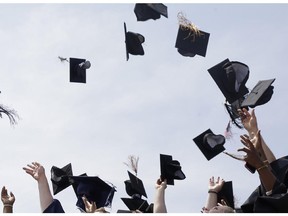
253 113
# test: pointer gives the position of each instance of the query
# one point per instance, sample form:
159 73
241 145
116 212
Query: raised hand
36 170
249 121
215 186
161 184
6 198
254 152
89 207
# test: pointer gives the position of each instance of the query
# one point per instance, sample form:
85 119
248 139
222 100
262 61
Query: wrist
8 205
252 132
212 191
263 167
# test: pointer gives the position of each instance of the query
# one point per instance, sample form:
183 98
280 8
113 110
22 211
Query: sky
150 105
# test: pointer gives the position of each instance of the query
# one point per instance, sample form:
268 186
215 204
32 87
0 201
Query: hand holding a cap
161 185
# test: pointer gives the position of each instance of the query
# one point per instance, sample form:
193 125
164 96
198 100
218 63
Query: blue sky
150 105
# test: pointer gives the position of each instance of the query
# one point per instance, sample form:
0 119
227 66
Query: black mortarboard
78 70
210 144
170 169
260 94
133 43
134 186
148 11
231 78
138 204
94 189
189 42
226 193
60 178
123 211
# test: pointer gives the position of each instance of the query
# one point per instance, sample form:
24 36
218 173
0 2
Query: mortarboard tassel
228 131
63 59
234 118
12 114
187 24
133 163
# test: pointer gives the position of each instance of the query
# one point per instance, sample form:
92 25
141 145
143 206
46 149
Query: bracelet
211 191
266 162
268 193
262 167
8 205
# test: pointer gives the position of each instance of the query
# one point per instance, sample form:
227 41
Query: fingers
211 180
244 150
237 157
94 205
3 192
159 181
258 133
253 113
218 180
246 141
11 194
30 166
244 114
28 171
164 183
36 164
223 202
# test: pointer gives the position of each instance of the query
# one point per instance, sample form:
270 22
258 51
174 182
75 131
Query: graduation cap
60 178
148 11
226 193
210 144
231 78
134 186
170 169
190 40
133 43
136 203
94 189
78 70
260 94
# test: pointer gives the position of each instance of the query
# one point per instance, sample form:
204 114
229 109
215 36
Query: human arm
213 189
7 200
249 122
37 171
159 200
257 158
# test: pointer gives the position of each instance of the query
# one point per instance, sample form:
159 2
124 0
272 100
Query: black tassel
12 114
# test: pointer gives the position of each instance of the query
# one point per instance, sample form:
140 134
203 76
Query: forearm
159 202
268 153
211 200
45 195
267 177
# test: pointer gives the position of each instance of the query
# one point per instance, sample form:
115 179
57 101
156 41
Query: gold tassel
186 24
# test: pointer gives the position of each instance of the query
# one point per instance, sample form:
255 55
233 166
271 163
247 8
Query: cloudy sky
150 105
